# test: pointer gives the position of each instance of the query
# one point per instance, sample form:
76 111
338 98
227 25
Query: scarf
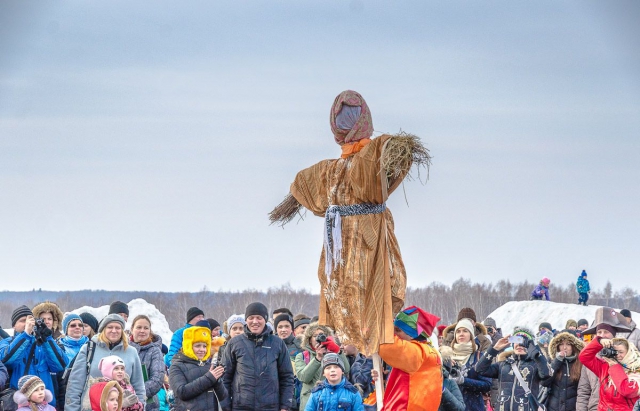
462 352
363 128
143 343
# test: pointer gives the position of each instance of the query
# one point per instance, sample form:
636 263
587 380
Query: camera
491 330
320 338
454 371
609 352
41 332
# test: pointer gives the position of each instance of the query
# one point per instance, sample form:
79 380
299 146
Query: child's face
333 374
118 373
38 395
200 350
112 401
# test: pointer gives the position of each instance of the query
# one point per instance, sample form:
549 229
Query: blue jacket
47 359
176 344
340 397
71 347
4 376
540 291
583 285
474 385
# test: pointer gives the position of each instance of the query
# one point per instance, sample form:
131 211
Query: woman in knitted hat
526 358
234 327
465 356
482 340
149 347
90 325
110 340
32 395
195 380
618 372
74 337
567 368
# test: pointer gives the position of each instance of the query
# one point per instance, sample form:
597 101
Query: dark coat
194 387
512 395
474 385
258 373
152 359
360 374
451 396
566 375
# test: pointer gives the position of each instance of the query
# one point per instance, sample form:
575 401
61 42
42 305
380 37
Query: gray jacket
152 359
633 336
588 391
78 377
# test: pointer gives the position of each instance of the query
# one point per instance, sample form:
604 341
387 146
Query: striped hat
28 384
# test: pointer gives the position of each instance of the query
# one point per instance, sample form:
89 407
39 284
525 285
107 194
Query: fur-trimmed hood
308 333
576 343
479 329
56 312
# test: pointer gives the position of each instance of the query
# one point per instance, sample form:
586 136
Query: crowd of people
281 361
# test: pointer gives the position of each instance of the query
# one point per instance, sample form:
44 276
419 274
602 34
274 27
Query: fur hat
70 317
90 320
574 341
234 319
108 363
26 386
110 319
311 329
465 323
99 393
467 313
415 322
256 308
607 318
18 313
193 312
56 313
193 335
282 317
332 359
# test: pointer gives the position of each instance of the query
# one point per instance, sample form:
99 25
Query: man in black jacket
258 373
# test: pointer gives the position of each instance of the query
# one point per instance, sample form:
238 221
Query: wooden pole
377 365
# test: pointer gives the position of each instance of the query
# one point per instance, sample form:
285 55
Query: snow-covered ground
531 313
159 324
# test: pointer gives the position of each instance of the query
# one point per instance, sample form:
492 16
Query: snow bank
532 313
159 324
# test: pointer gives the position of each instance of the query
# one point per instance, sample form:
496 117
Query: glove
128 399
560 356
533 351
331 345
46 333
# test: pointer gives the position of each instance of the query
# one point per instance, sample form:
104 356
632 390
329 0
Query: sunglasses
75 326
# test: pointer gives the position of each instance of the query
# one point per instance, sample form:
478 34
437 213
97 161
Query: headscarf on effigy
363 127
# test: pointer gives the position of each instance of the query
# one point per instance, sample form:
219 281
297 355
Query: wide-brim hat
609 316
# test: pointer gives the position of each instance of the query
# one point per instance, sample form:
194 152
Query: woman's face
622 351
86 330
565 348
48 320
141 330
236 329
113 332
313 341
463 335
74 329
112 401
200 350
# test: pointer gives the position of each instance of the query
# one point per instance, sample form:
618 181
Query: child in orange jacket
415 382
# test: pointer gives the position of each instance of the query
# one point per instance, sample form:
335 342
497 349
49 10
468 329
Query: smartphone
515 339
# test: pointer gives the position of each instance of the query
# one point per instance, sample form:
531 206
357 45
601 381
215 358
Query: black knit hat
213 323
625 313
582 321
282 317
257 308
193 312
118 307
545 325
467 313
301 321
90 320
18 313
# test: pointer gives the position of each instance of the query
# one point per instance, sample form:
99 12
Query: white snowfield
531 313
159 324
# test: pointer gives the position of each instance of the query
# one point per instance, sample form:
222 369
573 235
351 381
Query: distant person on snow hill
541 290
194 314
583 288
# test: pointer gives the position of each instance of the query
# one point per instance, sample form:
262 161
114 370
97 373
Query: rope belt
333 230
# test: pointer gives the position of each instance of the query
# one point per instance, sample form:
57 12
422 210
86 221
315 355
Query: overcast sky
142 144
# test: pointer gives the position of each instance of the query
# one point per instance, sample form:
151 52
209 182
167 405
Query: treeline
440 299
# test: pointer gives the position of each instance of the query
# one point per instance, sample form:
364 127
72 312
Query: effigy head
350 118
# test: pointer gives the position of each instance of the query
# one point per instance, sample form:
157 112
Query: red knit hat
441 330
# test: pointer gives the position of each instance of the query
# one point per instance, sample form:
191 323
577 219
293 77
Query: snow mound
532 313
159 324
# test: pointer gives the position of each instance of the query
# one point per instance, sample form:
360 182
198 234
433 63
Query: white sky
142 144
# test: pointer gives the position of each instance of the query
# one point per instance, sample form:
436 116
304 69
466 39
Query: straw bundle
285 211
401 152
